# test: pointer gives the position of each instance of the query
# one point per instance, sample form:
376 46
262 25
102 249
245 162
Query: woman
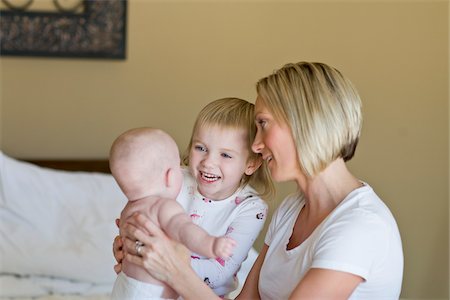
334 238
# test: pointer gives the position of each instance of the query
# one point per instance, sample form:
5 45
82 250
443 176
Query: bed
57 227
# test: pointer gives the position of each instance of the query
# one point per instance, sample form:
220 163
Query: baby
145 162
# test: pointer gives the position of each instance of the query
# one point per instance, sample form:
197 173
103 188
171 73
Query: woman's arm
250 289
317 283
326 284
164 259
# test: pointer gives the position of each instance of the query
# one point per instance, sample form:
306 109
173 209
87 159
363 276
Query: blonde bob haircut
235 113
322 108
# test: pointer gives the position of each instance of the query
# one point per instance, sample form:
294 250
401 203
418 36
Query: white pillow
57 223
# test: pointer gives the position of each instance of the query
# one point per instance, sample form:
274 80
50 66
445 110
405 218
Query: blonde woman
334 238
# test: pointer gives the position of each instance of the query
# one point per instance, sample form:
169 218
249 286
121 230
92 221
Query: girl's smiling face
275 143
218 159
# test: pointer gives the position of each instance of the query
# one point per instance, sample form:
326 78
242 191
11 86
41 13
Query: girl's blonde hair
322 108
235 113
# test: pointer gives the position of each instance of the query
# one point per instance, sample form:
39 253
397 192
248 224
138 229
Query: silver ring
138 246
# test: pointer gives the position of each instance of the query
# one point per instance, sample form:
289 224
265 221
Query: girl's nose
208 161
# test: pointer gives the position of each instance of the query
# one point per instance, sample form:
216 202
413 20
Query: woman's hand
163 258
118 251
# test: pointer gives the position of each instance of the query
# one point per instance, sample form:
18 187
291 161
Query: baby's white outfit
127 288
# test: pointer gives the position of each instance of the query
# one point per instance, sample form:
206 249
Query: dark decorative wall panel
98 32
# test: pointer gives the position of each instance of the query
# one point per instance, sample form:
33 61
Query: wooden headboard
88 165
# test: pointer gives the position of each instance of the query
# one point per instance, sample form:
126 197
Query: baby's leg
129 288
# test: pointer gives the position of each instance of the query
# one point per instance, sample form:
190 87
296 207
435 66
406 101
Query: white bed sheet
43 288
56 232
13 287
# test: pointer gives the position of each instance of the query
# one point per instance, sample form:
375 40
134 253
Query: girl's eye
199 148
225 155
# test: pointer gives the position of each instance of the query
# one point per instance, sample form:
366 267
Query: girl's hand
161 257
118 251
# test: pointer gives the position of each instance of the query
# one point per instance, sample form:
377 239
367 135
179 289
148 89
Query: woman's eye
226 155
261 123
199 148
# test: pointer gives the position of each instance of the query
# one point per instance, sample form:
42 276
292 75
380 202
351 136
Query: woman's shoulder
364 204
363 213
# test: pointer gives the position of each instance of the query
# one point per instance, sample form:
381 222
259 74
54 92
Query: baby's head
223 118
146 162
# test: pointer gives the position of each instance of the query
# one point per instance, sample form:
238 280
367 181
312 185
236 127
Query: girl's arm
250 289
244 229
164 259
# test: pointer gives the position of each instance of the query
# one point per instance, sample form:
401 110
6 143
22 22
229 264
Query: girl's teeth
209 177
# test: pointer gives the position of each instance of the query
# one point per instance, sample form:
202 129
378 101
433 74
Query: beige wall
183 54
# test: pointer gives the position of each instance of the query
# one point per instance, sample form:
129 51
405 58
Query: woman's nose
257 145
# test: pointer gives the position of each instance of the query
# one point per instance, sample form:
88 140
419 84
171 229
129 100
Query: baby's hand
223 247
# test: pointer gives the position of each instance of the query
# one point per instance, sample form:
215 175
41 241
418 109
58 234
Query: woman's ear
253 164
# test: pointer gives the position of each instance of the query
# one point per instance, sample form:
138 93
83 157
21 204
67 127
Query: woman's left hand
118 250
160 256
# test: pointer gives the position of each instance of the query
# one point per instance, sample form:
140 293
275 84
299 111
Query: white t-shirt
240 216
360 236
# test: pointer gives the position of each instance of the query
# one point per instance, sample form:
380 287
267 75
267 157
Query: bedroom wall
183 54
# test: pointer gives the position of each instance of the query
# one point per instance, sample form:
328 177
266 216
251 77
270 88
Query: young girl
219 185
